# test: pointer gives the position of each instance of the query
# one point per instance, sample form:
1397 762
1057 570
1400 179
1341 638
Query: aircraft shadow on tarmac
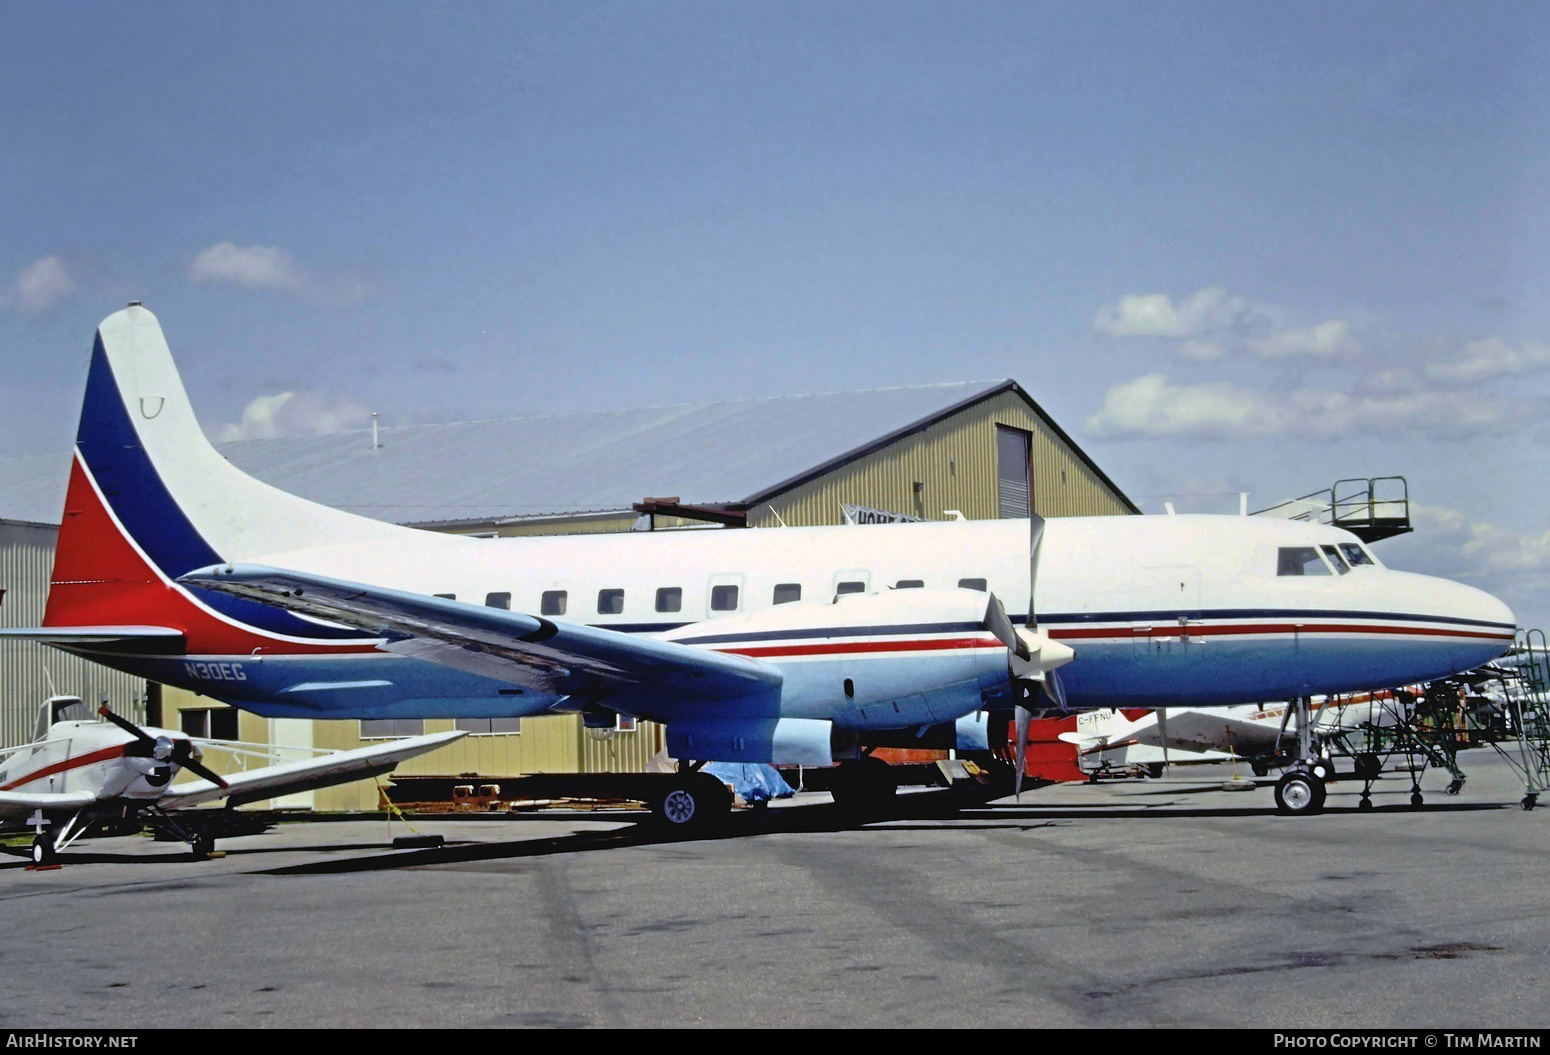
942 815
934 811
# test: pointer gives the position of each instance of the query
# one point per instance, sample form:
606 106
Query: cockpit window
1334 558
1356 556
1301 560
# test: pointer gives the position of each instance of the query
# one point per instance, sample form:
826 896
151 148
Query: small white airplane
790 645
82 770
1257 733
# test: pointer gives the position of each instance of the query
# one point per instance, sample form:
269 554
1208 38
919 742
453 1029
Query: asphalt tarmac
1138 903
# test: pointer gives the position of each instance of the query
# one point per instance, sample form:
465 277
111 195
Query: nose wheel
43 852
1300 792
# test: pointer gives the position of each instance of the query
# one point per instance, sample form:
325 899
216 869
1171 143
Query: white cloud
1155 407
1156 314
253 266
1514 565
1197 351
292 414
40 285
1328 340
1488 359
1214 322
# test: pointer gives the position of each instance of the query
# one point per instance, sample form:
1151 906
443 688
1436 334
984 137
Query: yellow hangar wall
553 744
954 462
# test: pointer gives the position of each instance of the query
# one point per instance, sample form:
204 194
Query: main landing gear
692 802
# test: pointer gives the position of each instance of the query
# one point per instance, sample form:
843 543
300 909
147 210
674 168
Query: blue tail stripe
134 491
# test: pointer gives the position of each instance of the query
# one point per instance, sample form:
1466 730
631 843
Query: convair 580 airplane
791 645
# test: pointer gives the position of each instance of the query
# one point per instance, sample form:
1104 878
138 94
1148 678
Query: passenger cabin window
610 602
1356 556
498 600
1334 558
670 599
972 584
909 584
1301 560
552 603
723 598
786 592
850 587
489 726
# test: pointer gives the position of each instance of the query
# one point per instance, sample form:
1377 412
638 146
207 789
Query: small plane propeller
178 751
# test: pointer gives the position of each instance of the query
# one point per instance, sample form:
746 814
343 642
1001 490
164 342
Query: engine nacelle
779 741
891 660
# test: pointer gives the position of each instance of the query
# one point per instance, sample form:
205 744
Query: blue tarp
755 782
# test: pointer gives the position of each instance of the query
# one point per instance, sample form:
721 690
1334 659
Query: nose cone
1477 626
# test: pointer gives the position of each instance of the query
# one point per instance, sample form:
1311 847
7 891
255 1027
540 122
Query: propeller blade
183 755
1054 690
128 726
1000 624
1035 543
1020 748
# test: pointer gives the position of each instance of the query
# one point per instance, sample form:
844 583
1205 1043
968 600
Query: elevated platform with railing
1371 509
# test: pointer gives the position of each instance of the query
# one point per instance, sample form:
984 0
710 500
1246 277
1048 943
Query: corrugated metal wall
29 672
620 752
954 461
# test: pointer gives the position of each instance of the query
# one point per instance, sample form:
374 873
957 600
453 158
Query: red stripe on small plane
67 765
851 647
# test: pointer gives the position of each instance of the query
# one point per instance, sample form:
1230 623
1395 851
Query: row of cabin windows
381 728
384 728
670 599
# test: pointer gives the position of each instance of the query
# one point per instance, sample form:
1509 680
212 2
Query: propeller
164 748
1032 656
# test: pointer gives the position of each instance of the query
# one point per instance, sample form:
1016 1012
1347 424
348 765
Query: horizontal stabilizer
161 640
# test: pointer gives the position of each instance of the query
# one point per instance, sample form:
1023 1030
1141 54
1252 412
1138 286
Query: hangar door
1013 465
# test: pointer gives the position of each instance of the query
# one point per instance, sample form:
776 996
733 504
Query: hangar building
973 449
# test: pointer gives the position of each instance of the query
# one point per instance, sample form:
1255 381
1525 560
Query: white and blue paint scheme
175 565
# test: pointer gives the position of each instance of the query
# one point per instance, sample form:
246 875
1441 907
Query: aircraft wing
637 675
322 772
14 804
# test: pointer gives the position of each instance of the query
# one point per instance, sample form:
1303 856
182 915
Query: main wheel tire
43 852
1299 792
694 803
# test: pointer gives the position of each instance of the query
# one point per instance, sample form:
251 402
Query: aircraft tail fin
150 498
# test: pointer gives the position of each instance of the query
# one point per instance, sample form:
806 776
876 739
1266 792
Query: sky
1229 247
